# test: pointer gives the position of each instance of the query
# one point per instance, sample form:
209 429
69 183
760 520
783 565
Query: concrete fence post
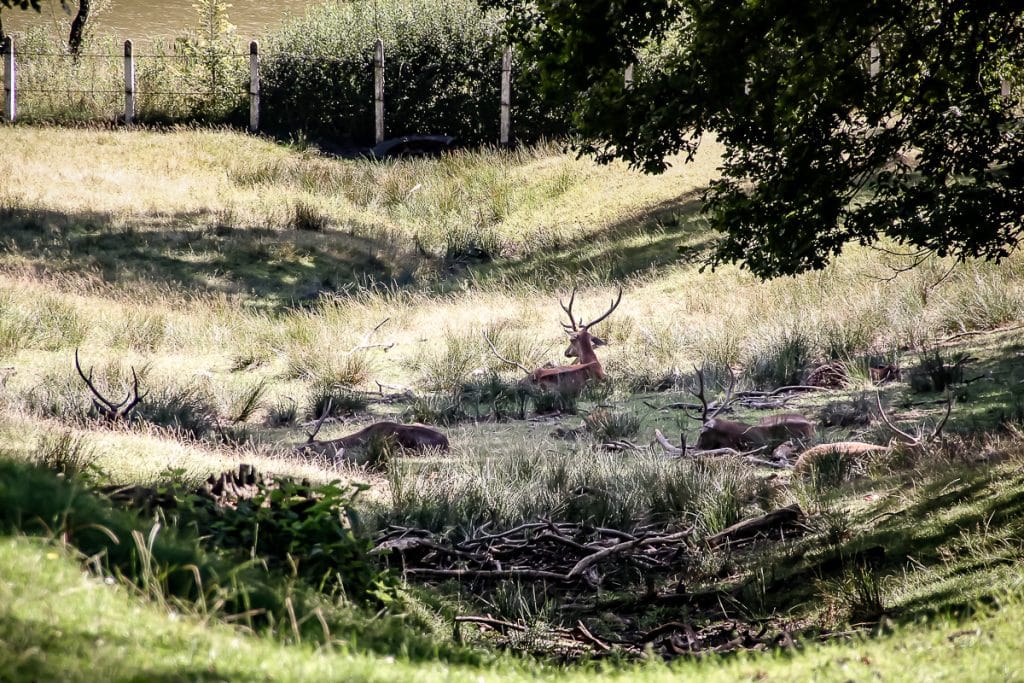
506 97
378 92
10 81
129 84
254 86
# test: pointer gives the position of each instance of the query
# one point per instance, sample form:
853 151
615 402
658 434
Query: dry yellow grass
176 305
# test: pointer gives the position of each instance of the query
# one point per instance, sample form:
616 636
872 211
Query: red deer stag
415 437
107 409
717 433
569 378
853 450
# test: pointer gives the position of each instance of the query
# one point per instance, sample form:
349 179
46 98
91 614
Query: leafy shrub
297 527
442 62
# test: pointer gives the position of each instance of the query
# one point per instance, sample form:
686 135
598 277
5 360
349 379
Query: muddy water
149 19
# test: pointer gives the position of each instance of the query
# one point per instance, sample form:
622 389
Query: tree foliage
819 153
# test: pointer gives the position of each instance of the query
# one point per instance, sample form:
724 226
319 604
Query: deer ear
597 341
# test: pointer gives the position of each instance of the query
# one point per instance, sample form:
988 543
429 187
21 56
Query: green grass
56 622
247 282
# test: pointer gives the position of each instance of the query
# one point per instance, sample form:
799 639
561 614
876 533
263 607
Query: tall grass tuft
589 486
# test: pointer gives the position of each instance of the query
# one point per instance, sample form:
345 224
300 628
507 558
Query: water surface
141 20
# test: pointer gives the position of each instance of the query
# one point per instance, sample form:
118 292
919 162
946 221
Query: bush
442 63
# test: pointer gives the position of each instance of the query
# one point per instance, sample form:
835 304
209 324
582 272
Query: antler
915 440
506 360
699 394
320 422
572 327
615 304
108 410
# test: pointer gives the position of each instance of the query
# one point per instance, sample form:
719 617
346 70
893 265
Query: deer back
786 426
413 437
719 433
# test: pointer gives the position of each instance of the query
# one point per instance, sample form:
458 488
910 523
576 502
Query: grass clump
612 425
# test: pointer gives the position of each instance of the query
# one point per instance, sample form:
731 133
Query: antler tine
134 393
615 304
728 395
107 406
911 440
568 312
699 394
320 422
502 358
945 418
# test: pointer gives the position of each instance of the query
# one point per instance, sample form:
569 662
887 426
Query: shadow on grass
667 233
945 547
194 253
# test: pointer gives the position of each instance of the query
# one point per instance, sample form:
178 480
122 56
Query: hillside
248 285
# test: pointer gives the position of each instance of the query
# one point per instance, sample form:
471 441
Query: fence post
506 97
627 78
129 83
378 92
254 86
10 94
1004 88
874 59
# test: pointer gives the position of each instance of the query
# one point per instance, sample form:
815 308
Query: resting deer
416 437
810 458
107 409
569 378
718 433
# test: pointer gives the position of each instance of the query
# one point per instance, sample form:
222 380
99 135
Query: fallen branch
496 624
589 560
748 528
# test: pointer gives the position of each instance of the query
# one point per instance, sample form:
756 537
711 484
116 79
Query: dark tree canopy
819 153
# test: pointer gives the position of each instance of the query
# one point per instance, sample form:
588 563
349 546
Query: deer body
719 433
853 450
415 437
569 378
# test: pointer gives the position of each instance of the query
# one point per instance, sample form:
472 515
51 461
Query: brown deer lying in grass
571 379
415 437
856 450
718 433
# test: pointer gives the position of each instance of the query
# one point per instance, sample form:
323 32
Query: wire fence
190 83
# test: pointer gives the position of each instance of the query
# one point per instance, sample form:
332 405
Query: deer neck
586 355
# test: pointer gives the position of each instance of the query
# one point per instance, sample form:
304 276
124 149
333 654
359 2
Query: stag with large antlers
810 458
107 409
569 378
716 433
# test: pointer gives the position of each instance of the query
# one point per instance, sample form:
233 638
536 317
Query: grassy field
245 281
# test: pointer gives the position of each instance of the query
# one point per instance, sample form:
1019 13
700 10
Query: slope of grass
57 623
232 274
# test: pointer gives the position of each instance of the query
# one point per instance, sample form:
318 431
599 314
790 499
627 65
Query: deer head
581 342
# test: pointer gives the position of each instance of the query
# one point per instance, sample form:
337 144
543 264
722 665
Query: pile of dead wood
591 572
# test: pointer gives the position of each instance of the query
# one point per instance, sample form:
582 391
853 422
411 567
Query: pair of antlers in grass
108 410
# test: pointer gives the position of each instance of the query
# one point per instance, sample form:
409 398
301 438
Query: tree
819 153
77 31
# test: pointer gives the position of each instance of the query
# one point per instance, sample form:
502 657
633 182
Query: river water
143 20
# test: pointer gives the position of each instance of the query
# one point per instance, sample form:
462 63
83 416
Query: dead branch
748 528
